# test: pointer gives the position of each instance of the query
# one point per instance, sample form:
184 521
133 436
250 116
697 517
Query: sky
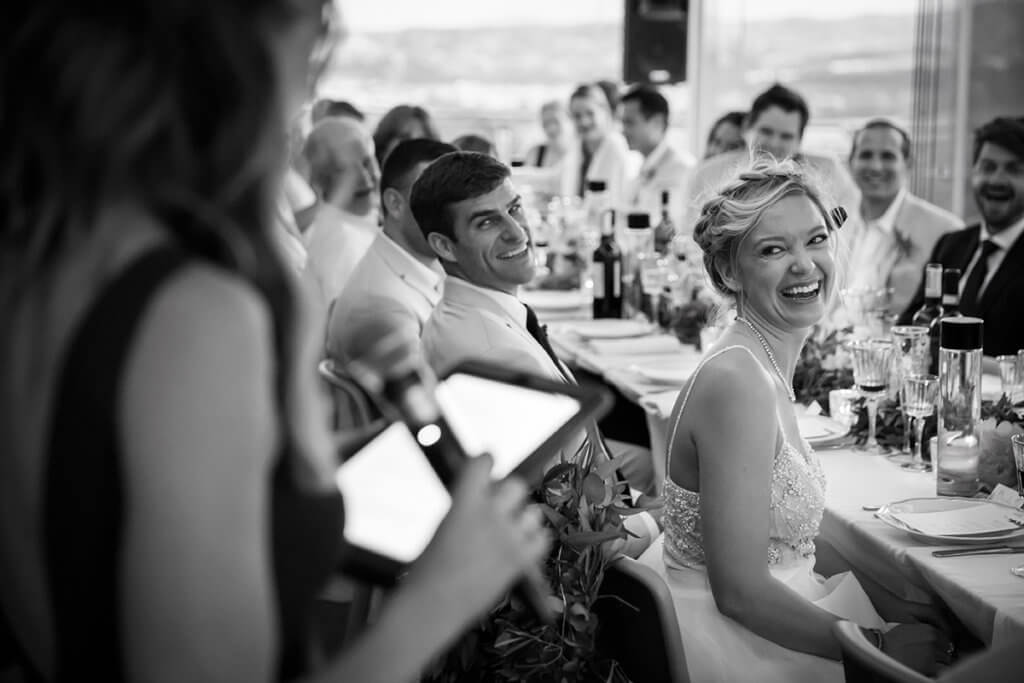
366 16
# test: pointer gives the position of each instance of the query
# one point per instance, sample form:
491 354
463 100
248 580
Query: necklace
771 358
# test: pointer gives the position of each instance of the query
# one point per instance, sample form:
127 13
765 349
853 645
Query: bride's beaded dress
716 647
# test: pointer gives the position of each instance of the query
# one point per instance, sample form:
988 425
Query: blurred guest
890 236
611 91
327 107
990 255
399 278
775 127
743 506
726 134
600 152
404 122
556 127
170 511
472 142
645 116
343 171
473 219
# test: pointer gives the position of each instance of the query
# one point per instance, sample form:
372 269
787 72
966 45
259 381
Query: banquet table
980 590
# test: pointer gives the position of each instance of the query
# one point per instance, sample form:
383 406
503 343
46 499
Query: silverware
1001 549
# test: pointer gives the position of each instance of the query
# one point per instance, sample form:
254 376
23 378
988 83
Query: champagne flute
919 394
872 359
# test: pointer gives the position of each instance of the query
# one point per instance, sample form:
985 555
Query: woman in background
556 127
168 505
600 152
726 134
404 122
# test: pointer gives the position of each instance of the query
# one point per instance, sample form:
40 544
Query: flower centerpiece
1000 421
824 365
584 505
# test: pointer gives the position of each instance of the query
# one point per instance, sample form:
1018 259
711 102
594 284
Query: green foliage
584 506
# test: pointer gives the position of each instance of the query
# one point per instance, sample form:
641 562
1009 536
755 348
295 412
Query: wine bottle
950 308
665 230
607 272
932 306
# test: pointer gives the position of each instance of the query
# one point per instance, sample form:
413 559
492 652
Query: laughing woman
743 505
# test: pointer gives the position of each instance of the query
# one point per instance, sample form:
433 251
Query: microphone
389 365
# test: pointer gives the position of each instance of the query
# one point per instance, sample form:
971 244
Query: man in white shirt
990 255
343 172
775 126
399 279
891 234
645 116
474 221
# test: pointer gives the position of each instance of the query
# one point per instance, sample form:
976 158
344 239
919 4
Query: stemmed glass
912 359
872 360
919 395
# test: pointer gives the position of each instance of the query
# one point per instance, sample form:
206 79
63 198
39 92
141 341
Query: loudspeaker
654 49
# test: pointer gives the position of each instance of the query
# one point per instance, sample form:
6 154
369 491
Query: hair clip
838 216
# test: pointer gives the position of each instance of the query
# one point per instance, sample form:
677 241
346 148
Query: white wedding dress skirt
719 649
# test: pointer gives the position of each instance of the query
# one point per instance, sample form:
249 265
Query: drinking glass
919 395
872 359
1011 374
912 346
841 406
858 301
1017 442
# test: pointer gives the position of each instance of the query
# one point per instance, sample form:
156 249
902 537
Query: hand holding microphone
489 525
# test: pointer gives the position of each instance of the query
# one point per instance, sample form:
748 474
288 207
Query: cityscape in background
492 80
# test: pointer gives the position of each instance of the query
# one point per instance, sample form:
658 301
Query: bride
744 493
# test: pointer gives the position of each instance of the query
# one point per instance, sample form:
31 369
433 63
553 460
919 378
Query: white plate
820 429
552 299
675 372
610 328
941 504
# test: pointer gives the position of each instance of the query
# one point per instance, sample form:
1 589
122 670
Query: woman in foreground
168 506
744 492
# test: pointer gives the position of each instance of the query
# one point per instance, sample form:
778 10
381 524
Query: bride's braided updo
736 209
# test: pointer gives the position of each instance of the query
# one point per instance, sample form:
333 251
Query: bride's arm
735 438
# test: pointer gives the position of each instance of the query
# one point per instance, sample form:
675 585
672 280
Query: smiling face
358 176
643 134
998 182
590 117
492 246
776 132
784 267
877 163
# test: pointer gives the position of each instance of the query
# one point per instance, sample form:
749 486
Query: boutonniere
904 245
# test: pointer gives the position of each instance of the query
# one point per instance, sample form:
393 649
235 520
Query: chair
353 407
865 663
637 624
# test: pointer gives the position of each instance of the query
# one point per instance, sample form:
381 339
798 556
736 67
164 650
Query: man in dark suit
991 254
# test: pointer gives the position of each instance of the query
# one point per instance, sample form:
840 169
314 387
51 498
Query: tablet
394 501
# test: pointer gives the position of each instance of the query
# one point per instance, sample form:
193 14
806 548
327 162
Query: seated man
473 219
399 279
892 234
990 255
775 125
343 172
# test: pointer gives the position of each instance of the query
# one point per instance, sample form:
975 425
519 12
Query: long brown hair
171 104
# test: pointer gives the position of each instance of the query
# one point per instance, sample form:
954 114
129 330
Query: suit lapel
965 251
1011 265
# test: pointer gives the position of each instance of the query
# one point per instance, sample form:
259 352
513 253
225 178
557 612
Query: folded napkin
983 518
662 343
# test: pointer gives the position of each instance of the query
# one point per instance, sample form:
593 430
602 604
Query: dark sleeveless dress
85 497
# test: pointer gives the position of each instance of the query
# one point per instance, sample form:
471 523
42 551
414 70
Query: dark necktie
539 332
969 299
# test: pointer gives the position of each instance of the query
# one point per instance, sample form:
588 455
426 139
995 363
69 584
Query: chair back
353 407
865 663
637 624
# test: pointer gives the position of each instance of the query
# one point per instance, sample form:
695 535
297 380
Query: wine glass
912 345
872 359
919 395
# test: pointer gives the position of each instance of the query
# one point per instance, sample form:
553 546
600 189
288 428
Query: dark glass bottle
607 273
932 306
665 230
950 308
